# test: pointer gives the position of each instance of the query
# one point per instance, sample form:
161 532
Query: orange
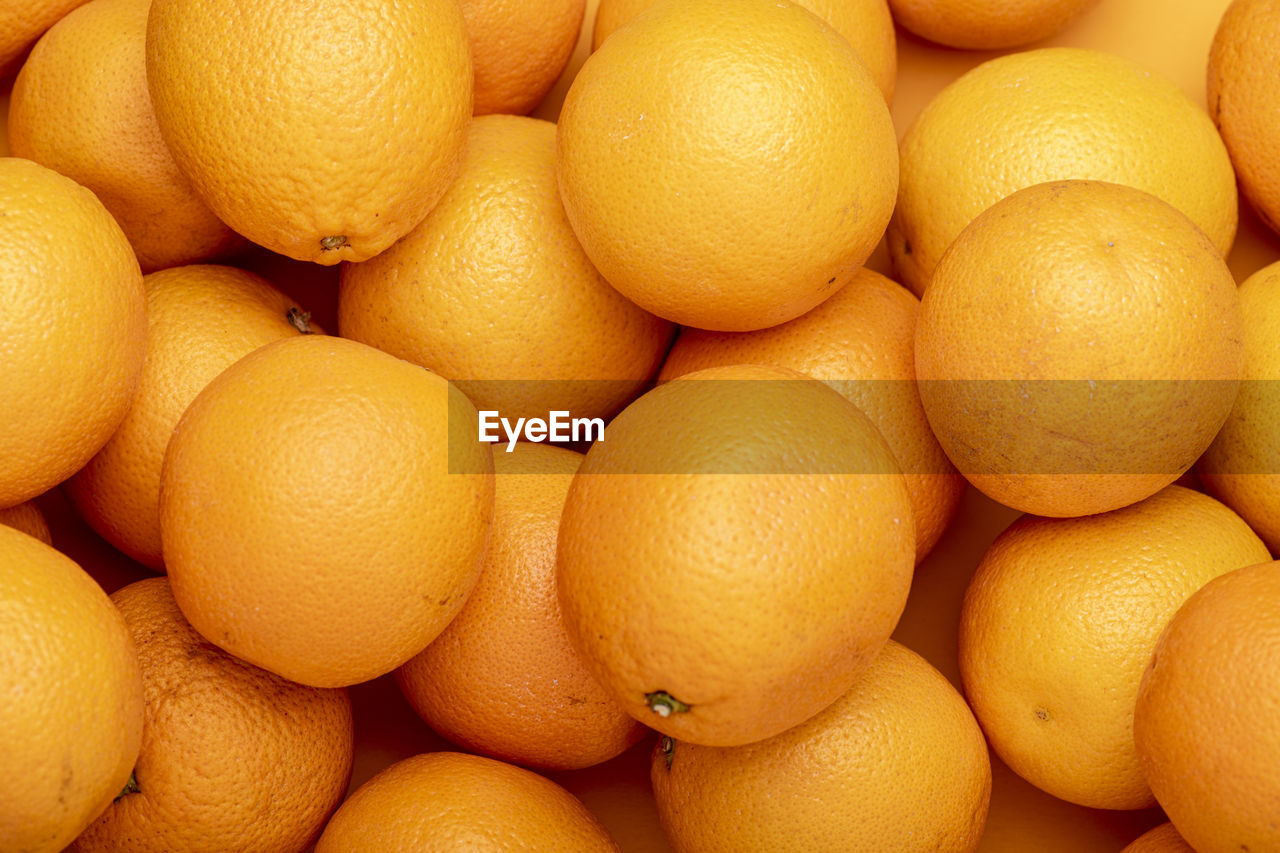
201 318
1059 621
1079 347
734 552
1046 115
233 757
727 164
323 509
861 343
440 802
80 106
865 24
897 763
1203 720
1242 89
1242 466
518 49
502 679
323 130
493 291
28 518
22 22
1163 839
71 719
986 25
74 327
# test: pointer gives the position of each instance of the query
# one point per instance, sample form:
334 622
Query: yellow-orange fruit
989 24
518 49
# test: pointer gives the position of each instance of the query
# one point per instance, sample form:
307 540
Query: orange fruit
71 719
1242 90
897 763
734 553
861 343
865 24
1162 839
1078 348
28 518
74 327
233 757
315 473
80 106
22 22
1048 115
447 801
518 49
502 678
493 291
987 25
324 131
1202 722
201 318
714 184
1242 466
1059 621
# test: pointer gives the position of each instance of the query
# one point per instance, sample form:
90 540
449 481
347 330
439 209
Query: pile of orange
640 425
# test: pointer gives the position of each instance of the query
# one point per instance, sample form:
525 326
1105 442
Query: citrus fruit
1202 720
325 130
502 678
444 801
1162 839
22 22
74 327
861 343
233 757
734 553
493 291
897 763
28 518
1078 348
71 716
323 509
1059 621
987 25
1047 115
518 49
726 164
80 106
1242 91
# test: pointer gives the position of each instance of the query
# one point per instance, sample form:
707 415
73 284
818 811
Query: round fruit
1060 620
28 518
1047 115
1079 347
734 553
323 509
988 25
726 164
74 327
502 679
519 49
324 131
22 22
233 757
897 763
1162 839
71 719
445 801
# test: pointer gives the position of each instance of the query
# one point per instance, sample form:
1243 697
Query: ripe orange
734 553
233 757
1047 115
22 22
987 25
1078 348
28 518
518 49
441 802
323 509
502 679
1059 621
71 719
201 318
1242 90
1202 722
324 130
74 327
726 164
1163 839
861 343
493 291
897 763
865 24
80 106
